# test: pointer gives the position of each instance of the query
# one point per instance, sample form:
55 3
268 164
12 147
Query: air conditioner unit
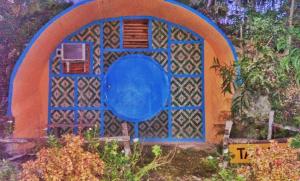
72 53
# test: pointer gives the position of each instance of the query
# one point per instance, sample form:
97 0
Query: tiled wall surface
76 100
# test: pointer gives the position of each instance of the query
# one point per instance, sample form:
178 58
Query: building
109 61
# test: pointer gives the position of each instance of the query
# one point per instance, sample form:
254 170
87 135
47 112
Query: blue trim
186 107
187 75
186 41
150 33
170 120
49 90
136 129
203 130
30 44
102 126
134 50
121 31
72 108
76 113
175 140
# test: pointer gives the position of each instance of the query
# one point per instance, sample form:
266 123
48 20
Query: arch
28 99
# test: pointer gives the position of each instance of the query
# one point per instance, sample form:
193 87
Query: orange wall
30 91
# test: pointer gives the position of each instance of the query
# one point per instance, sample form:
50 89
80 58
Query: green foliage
8 172
91 136
156 150
227 175
221 174
295 142
227 73
119 166
268 64
53 142
210 163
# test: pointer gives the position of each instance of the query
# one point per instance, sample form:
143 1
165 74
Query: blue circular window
136 88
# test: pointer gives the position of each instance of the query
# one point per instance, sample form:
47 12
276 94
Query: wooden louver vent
135 34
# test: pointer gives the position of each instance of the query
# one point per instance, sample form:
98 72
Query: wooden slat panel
135 34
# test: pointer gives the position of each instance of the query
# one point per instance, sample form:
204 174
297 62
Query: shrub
70 162
8 171
276 163
119 166
295 142
213 164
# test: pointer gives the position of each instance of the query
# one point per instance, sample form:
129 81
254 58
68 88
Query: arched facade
43 96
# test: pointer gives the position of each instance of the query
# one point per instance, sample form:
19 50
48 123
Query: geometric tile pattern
186 58
160 57
91 34
88 92
186 92
111 33
180 34
110 57
62 92
62 117
156 127
59 131
56 65
88 119
187 123
159 34
113 125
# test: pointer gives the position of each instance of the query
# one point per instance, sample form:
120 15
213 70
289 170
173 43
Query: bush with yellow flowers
274 164
69 162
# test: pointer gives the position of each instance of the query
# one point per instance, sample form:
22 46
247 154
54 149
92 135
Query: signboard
240 151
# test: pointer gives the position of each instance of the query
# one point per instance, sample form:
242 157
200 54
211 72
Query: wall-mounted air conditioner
72 53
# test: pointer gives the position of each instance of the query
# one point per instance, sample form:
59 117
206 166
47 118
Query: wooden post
126 143
271 120
228 126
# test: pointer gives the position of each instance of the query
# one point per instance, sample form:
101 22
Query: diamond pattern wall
62 117
62 89
62 122
159 34
88 92
184 54
113 125
186 58
88 119
56 65
187 124
157 127
111 34
111 57
180 34
186 92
